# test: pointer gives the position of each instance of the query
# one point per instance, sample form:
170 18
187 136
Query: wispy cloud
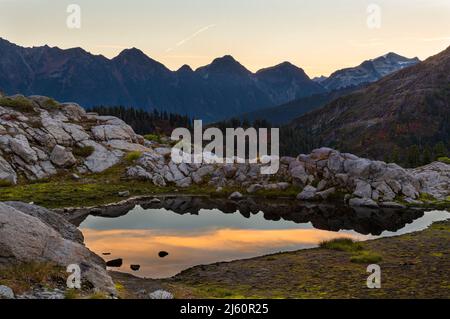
111 46
369 43
189 38
435 39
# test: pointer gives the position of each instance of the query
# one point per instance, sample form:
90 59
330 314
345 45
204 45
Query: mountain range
367 72
408 111
220 90
339 83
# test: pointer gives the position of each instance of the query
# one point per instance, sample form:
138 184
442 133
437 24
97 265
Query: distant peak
226 57
225 64
225 60
284 67
132 52
392 56
287 64
185 68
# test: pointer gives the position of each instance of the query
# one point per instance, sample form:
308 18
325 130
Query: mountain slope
367 72
216 91
408 108
286 82
283 114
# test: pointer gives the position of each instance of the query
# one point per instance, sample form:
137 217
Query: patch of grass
83 151
121 290
91 190
50 104
71 294
366 257
5 183
445 160
153 138
342 244
22 277
292 192
217 292
98 295
425 197
133 156
315 183
440 226
19 103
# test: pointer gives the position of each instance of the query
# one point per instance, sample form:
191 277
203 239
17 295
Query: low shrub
366 257
5 183
50 104
22 277
83 151
133 156
153 138
19 103
425 197
71 294
342 244
445 160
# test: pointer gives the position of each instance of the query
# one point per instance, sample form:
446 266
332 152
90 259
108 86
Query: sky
319 36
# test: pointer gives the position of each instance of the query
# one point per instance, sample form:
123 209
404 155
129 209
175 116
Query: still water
198 231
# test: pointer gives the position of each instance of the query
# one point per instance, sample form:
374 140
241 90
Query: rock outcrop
320 175
45 137
39 136
30 233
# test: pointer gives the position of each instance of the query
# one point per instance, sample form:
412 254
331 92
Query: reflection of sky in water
209 237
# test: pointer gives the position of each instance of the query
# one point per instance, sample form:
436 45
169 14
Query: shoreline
315 272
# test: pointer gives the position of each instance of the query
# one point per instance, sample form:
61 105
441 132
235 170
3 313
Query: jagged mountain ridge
218 90
367 72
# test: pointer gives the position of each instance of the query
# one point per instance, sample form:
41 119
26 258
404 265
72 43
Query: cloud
369 43
435 39
111 46
189 38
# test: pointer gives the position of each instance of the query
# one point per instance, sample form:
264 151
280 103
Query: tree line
146 122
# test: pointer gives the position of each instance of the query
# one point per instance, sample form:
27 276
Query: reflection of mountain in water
332 217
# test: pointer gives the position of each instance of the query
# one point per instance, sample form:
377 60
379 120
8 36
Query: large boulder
363 189
26 238
20 146
54 127
138 172
7 173
113 132
308 193
73 111
359 167
102 158
62 157
434 179
6 292
55 221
